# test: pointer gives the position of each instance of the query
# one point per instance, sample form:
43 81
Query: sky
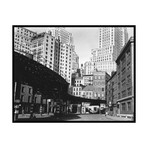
85 39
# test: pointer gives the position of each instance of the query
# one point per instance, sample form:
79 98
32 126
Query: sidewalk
26 116
118 118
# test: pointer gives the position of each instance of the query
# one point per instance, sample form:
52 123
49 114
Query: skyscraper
88 68
46 50
65 68
111 41
64 36
66 52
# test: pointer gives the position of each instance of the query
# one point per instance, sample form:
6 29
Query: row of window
27 89
25 34
21 47
126 106
99 77
22 37
77 89
25 30
77 93
22 41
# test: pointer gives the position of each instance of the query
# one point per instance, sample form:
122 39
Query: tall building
46 50
111 41
22 40
65 69
66 52
75 62
64 35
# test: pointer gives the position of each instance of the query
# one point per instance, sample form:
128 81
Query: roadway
73 117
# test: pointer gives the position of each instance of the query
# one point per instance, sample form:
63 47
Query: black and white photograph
74 73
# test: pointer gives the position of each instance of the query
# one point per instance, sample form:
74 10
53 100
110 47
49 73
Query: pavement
71 117
98 117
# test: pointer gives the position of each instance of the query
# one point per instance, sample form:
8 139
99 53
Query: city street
73 117
97 117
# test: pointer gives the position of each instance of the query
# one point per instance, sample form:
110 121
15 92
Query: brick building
99 82
111 94
88 79
125 79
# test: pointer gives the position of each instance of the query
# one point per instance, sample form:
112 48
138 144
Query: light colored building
77 91
75 62
79 81
22 40
111 41
66 52
88 68
46 50
64 36
65 69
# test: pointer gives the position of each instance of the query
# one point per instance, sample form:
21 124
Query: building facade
111 41
65 69
64 36
74 76
75 62
77 91
88 79
46 50
125 79
79 81
99 82
88 68
111 94
22 40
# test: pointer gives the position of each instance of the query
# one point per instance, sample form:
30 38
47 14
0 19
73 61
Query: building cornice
125 47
